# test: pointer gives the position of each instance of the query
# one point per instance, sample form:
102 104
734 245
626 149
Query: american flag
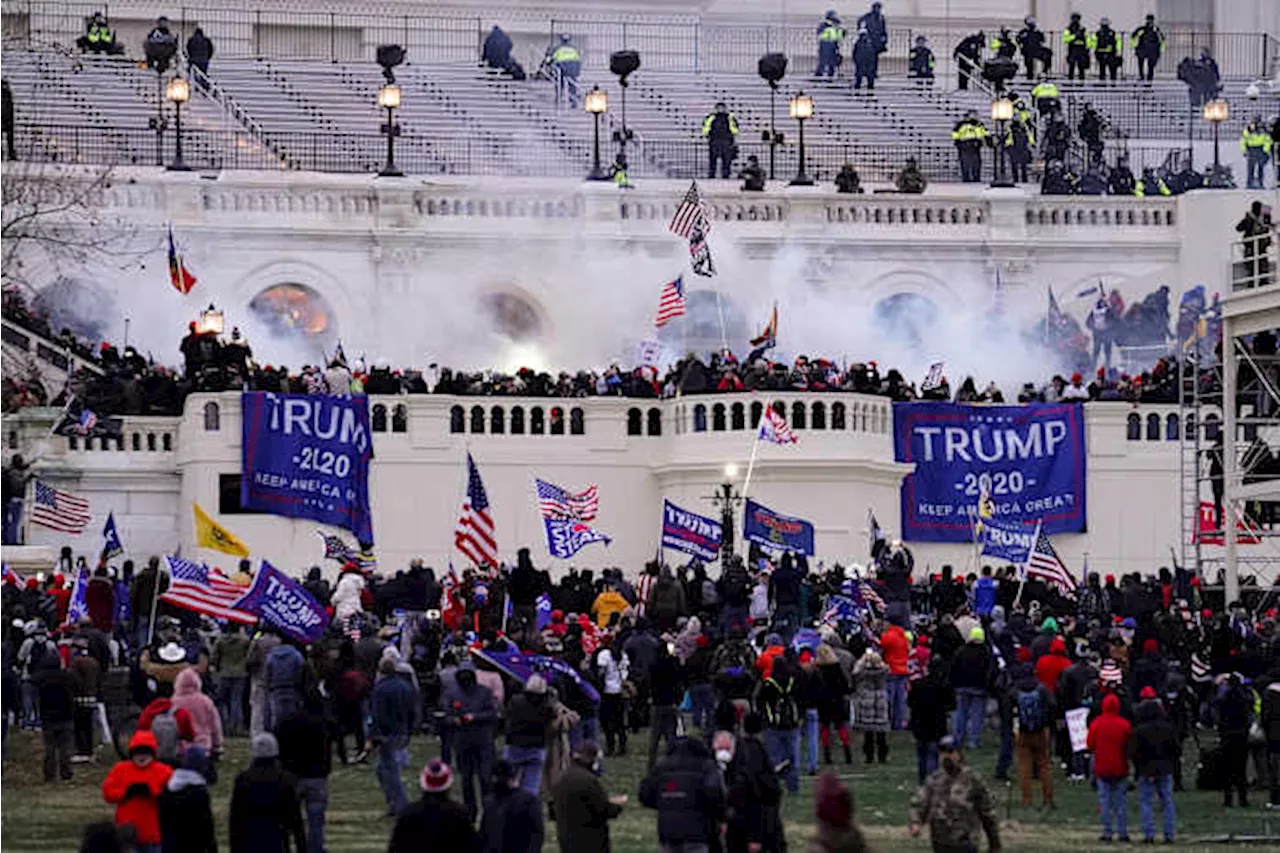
555 502
671 303
690 214
933 379
700 254
774 428
336 548
1045 564
59 510
474 535
872 597
197 587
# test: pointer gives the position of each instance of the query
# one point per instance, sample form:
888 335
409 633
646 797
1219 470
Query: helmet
1029 21
564 38
1106 22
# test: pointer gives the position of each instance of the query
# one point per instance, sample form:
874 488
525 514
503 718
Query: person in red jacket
895 648
1108 740
134 786
1048 670
61 596
181 716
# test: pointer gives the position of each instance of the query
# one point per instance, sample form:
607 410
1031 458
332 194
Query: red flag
179 276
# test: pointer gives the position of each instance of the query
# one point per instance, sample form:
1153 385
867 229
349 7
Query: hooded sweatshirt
1108 740
1049 667
205 719
186 815
134 790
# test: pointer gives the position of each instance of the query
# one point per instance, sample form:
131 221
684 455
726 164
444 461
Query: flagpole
155 595
751 461
724 340
1023 582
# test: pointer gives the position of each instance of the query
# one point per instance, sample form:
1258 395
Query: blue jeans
1256 163
811 739
1113 803
971 711
314 794
1005 758
1147 788
703 697
231 690
393 756
926 759
898 701
784 745
527 760
30 704
13 521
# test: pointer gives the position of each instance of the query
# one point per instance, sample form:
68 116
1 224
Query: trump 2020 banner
1030 461
773 530
689 532
307 456
283 603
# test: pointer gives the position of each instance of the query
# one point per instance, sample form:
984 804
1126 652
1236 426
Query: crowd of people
744 682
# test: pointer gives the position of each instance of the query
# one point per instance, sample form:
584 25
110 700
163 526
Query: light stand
178 92
596 103
389 99
623 63
772 68
725 498
1216 112
158 122
1001 114
801 109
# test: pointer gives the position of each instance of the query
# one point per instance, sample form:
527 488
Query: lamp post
1216 112
1001 114
389 99
211 321
596 103
178 92
725 498
801 109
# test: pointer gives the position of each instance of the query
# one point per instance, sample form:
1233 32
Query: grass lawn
38 817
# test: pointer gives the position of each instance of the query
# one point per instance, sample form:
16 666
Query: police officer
720 129
1090 130
618 172
1032 44
866 60
1255 144
1045 97
969 136
1057 139
830 34
1148 43
568 62
1151 184
878 31
1121 181
1107 49
953 802
1004 45
1019 143
1058 180
98 37
921 60
1076 39
968 57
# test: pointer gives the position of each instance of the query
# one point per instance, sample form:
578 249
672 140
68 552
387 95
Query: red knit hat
436 777
1150 646
1148 692
833 801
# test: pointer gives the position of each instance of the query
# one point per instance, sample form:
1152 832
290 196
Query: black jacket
1154 744
527 720
57 692
686 789
931 701
751 787
264 811
435 822
186 815
512 822
971 667
583 812
305 740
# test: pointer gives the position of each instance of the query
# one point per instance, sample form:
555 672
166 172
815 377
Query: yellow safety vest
1069 37
706 124
566 53
1103 47
1045 89
99 33
1255 139
831 33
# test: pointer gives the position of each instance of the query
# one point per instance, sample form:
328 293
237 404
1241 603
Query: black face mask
951 765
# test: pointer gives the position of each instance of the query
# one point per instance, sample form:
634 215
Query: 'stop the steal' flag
689 532
774 530
307 456
282 603
111 544
566 537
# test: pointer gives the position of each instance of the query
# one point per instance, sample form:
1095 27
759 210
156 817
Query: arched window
634 424
818 417
151 442
557 420
1153 427
212 417
400 418
738 417
477 420
537 424
1171 427
757 412
378 418
655 422
456 419
1189 427
797 416
1133 431
577 422
517 420
837 416
166 441
497 421
1212 427
717 417
699 418
137 442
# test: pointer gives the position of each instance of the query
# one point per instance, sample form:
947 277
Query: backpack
788 716
165 728
1031 712
710 597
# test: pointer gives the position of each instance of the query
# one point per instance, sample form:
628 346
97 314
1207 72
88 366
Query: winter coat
971 667
833 706
1235 707
306 740
434 823
265 817
512 822
666 604
1154 745
1052 665
230 655
528 719
557 760
205 719
870 700
686 789
752 790
346 598
395 704
606 604
895 648
931 701
583 812
57 689
135 806
186 815
100 598
1108 740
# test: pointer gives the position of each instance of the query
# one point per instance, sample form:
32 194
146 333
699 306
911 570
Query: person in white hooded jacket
346 598
613 702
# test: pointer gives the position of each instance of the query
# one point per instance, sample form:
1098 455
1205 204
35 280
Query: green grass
35 818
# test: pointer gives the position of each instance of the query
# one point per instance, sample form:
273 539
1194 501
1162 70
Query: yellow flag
210 534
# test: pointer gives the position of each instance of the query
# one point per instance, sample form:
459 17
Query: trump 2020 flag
543 615
566 538
1006 541
689 532
78 606
283 603
111 545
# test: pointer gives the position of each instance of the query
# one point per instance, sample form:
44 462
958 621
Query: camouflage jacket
955 807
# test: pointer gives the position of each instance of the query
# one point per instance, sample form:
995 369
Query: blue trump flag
689 532
779 532
1011 542
111 544
281 602
307 456
78 606
543 614
520 666
566 537
1028 460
